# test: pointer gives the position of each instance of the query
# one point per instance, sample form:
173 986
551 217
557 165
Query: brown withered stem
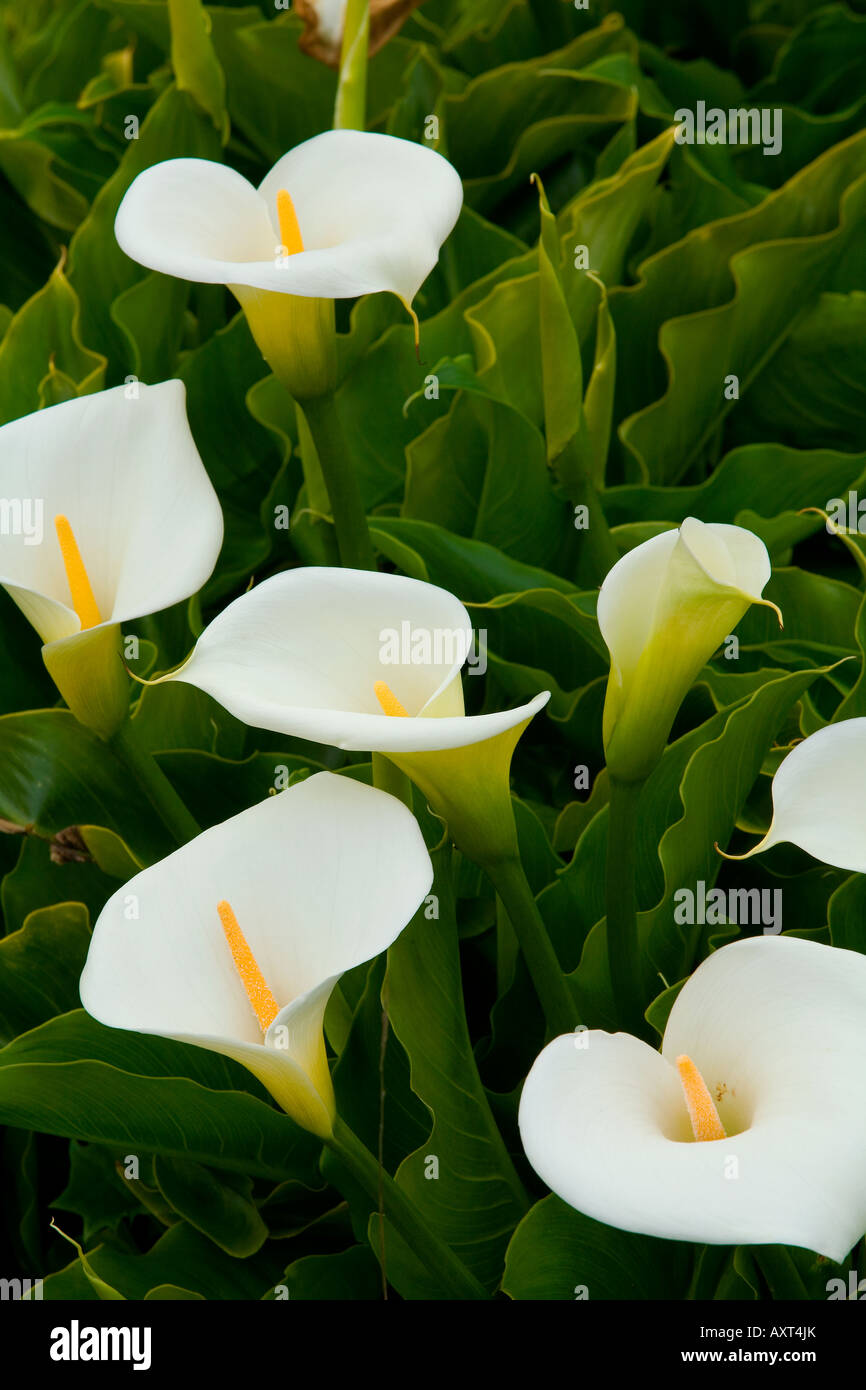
66 847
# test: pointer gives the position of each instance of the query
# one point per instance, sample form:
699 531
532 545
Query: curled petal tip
768 603
725 855
139 680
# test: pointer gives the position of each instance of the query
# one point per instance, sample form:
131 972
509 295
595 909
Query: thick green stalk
347 506
154 783
388 777
469 789
350 109
518 899
438 1257
623 947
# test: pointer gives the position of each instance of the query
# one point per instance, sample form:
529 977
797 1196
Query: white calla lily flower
242 934
346 213
129 523
749 1127
371 661
354 658
663 610
818 801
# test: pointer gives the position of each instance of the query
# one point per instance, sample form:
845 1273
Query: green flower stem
318 501
509 880
780 1272
347 507
154 783
350 109
623 948
469 789
388 777
438 1257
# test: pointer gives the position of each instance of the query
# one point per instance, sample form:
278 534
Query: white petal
373 212
670 571
301 654
128 476
626 601
781 1024
663 610
198 220
818 801
320 877
330 16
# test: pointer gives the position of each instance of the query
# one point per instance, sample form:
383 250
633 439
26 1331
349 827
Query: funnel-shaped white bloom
663 610
372 212
818 797
124 471
304 652
128 476
320 878
777 1029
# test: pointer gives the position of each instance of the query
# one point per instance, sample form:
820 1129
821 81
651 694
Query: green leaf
560 1254
473 570
102 1290
142 1094
57 774
724 302
172 1293
182 1259
765 478
45 335
523 116
98 269
111 853
49 874
94 1191
195 64
474 1197
346 1274
40 966
813 392
221 1209
562 373
846 914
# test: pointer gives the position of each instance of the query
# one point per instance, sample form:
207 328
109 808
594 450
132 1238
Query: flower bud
663 610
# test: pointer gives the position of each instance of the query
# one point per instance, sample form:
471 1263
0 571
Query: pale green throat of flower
83 601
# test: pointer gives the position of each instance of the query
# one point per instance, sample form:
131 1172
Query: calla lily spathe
372 212
318 879
369 661
818 798
346 213
776 1029
122 469
663 610
304 652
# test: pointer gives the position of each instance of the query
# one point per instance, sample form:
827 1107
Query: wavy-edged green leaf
142 1094
559 1254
